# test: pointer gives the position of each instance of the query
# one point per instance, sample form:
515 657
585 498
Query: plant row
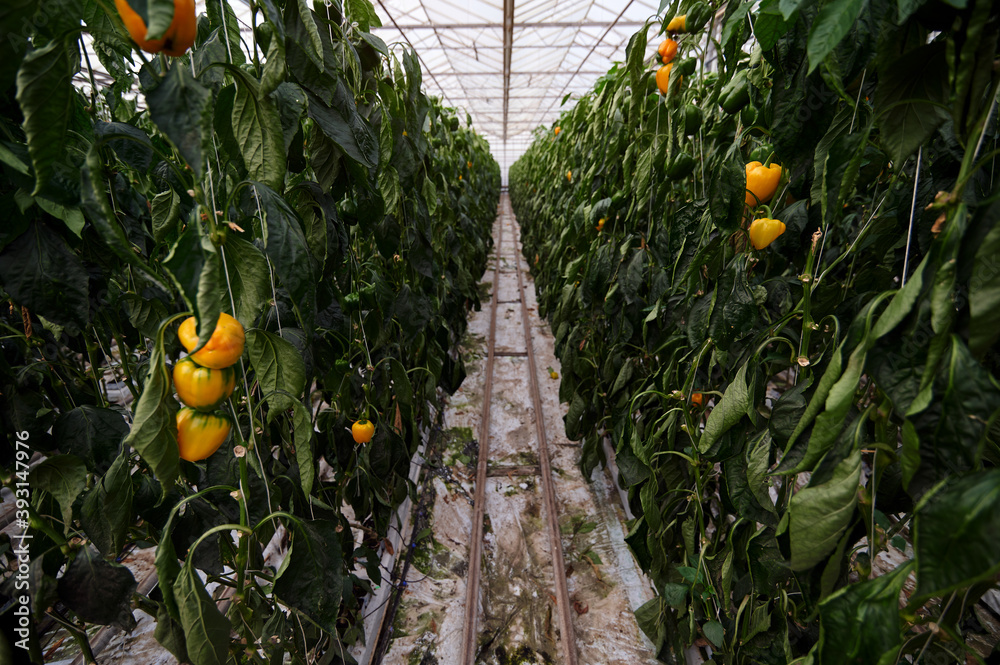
320 226
767 245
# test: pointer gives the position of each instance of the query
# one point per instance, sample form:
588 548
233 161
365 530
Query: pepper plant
293 176
806 431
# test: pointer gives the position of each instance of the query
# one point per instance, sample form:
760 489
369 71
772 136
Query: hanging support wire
913 212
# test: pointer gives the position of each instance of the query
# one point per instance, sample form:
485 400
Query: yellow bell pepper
764 231
200 434
224 347
363 430
762 182
202 388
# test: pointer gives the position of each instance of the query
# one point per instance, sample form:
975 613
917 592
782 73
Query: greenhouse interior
442 332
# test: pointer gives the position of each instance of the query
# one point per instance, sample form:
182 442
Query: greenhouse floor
517 619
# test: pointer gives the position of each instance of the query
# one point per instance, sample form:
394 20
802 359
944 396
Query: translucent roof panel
510 63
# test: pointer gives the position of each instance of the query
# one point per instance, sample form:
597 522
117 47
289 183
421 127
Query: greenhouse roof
511 64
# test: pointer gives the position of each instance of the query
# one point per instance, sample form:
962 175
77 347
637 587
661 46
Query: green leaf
97 591
906 9
39 271
984 295
830 27
727 195
715 633
181 108
130 144
650 618
731 408
228 27
71 217
955 531
170 635
430 196
107 511
196 267
911 94
97 208
734 22
64 477
363 13
909 455
165 210
92 434
860 622
313 44
771 25
206 629
154 428
302 423
257 129
285 243
819 514
248 276
342 124
392 193
45 95
315 555
278 367
789 7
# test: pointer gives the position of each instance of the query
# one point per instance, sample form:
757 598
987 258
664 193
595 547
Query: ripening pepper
764 231
678 24
200 434
762 182
224 347
667 50
363 430
202 388
178 38
663 78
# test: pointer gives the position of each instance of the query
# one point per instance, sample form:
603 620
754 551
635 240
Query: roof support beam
535 25
508 46
423 66
507 73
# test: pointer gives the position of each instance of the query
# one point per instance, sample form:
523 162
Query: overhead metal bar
508 74
508 43
423 65
519 26
591 52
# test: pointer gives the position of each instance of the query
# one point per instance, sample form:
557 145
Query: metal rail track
561 590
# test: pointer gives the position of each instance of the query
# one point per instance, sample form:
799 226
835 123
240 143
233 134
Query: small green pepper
736 94
761 153
692 119
350 302
687 66
681 166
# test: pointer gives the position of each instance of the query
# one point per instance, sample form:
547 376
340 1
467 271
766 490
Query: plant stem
79 635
